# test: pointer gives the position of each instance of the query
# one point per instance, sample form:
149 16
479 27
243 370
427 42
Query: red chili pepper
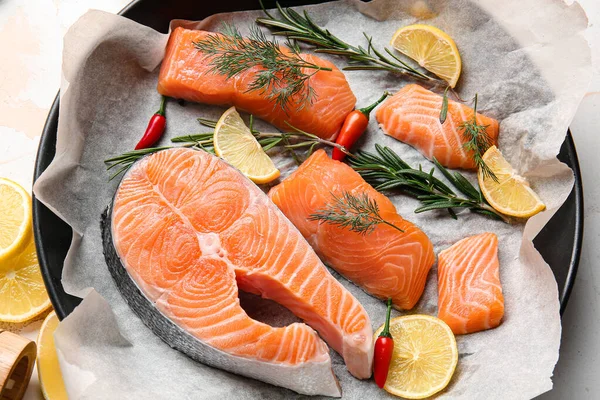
354 126
384 348
155 128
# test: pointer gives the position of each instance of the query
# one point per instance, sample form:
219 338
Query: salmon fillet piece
385 263
191 230
470 295
186 74
413 116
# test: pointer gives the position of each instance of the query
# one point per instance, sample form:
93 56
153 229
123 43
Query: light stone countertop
31 40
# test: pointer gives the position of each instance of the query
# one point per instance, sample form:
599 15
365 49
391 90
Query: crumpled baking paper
526 59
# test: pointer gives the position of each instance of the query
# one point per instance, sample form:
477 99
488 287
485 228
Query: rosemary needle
444 111
358 213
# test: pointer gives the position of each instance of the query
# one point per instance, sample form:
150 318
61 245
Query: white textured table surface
31 40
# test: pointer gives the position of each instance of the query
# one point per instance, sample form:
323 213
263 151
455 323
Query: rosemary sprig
295 139
289 141
477 141
385 170
282 76
125 160
302 28
357 213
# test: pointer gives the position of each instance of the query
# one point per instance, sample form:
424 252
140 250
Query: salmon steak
469 291
186 73
187 231
412 116
386 263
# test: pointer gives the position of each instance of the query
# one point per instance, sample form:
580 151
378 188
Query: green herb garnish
282 76
289 141
385 170
358 213
478 141
444 110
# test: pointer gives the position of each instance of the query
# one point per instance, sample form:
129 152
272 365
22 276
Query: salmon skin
385 262
470 295
186 74
186 230
413 116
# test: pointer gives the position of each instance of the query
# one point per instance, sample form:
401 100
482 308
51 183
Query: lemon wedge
424 359
432 48
511 195
51 380
15 218
22 293
235 144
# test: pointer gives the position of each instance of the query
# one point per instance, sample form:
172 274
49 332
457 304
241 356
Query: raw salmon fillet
385 262
413 116
190 230
470 295
186 74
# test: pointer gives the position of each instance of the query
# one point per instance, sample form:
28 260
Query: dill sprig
302 28
477 141
358 213
282 74
385 170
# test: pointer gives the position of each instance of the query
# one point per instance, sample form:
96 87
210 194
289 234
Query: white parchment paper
529 63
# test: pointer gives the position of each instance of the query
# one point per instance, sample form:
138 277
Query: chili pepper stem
367 110
386 328
161 110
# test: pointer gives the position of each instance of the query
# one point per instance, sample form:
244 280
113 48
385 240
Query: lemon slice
51 380
424 359
235 143
22 293
432 48
15 218
511 195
